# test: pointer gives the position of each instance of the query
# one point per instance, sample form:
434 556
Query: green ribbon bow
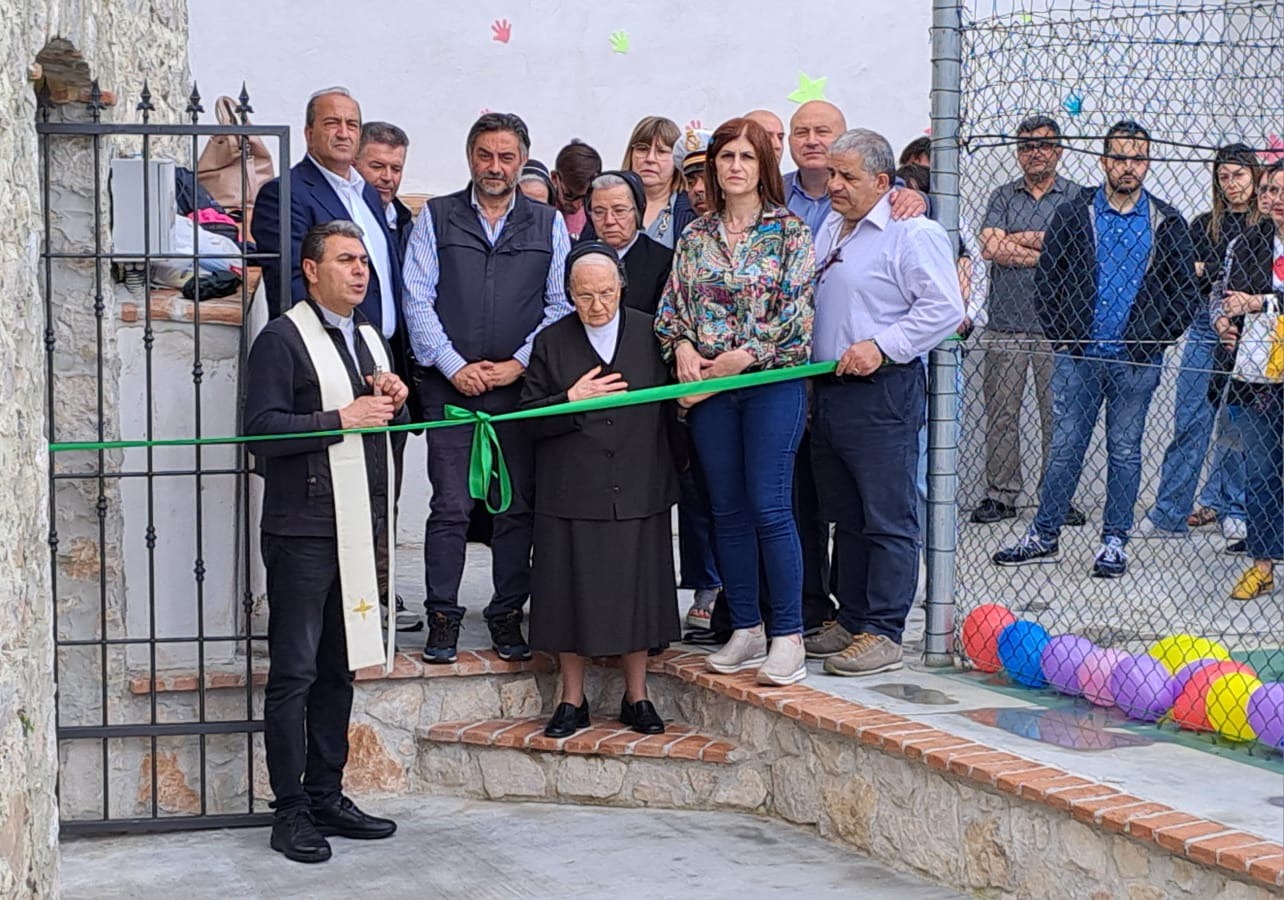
486 462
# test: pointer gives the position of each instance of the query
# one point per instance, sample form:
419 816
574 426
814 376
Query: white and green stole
358 579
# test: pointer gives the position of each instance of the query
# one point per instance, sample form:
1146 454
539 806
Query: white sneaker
786 663
747 649
1234 529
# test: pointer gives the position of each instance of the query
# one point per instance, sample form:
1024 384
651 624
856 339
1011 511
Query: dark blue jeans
1079 386
1263 431
747 441
697 566
865 451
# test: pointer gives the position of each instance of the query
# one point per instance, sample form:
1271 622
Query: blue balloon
1020 651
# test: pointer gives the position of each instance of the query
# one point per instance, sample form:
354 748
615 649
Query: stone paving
457 848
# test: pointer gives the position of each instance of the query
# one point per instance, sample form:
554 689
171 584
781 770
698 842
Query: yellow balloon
1174 652
1227 700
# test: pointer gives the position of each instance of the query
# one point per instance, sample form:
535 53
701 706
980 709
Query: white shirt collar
353 182
629 246
390 213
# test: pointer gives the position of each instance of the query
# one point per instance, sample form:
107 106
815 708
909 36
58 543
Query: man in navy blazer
325 186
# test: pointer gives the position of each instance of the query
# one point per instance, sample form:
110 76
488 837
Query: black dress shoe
1075 518
295 834
641 717
706 637
343 819
567 720
991 511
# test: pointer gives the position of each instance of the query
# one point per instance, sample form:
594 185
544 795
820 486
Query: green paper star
808 89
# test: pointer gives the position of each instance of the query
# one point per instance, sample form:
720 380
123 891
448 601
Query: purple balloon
1266 714
1143 687
1061 659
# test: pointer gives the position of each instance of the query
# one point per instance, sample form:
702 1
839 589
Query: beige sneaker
831 640
868 655
786 663
747 649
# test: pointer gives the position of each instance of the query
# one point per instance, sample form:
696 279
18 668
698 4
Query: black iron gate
157 648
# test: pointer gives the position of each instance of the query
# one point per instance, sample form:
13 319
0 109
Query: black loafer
706 637
1075 518
567 720
991 511
343 819
295 834
641 717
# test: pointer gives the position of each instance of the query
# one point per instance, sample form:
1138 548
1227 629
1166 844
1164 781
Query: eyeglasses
1037 146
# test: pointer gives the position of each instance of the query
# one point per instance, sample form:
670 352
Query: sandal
1202 516
701 612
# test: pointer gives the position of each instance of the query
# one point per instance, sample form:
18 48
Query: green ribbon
486 467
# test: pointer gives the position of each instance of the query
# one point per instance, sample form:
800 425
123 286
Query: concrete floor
457 848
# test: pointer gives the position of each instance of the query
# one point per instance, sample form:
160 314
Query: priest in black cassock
615 203
602 581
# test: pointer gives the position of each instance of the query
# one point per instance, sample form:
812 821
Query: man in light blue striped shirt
483 277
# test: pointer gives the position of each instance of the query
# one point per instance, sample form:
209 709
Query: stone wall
120 43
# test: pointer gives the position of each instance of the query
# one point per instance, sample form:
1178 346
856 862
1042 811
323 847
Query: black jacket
405 222
1252 257
284 397
610 464
647 266
1065 281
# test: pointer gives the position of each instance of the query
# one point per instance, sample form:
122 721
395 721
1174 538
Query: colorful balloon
1190 710
1094 675
1143 687
981 631
1061 659
1266 714
1179 649
1020 649
1227 702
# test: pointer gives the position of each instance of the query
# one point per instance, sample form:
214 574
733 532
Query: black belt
857 379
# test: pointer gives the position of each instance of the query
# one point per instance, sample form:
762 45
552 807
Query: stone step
605 737
406 665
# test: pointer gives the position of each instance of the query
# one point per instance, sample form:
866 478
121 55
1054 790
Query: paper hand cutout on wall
1073 104
501 30
808 89
620 42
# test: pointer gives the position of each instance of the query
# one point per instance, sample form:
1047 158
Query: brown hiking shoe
868 655
832 639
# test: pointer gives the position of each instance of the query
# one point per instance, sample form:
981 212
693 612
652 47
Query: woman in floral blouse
739 299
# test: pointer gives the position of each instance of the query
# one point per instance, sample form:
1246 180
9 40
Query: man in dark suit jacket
324 187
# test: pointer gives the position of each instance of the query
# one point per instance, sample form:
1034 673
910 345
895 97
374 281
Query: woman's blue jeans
747 441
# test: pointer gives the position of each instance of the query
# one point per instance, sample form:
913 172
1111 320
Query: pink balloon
1094 675
1186 672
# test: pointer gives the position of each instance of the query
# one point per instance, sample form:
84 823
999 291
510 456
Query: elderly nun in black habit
602 581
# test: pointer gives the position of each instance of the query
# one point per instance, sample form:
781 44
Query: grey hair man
484 273
887 293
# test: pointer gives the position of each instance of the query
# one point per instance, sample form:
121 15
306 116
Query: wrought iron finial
95 101
44 100
194 108
145 102
243 108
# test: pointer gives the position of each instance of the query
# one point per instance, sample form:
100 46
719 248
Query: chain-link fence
1119 489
